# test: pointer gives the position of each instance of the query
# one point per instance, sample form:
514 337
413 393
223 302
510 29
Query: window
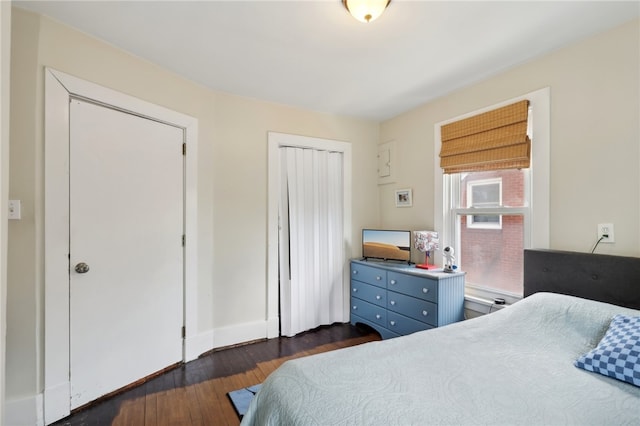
483 193
490 241
490 216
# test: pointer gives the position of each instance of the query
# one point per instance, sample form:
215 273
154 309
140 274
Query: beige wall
232 180
595 138
595 110
5 59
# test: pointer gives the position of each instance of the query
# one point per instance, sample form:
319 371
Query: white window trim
471 223
540 101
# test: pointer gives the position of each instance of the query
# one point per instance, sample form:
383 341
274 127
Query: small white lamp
425 241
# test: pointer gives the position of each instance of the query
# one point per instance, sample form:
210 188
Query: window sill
480 301
488 295
480 305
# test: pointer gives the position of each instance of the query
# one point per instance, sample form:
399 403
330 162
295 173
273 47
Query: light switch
14 209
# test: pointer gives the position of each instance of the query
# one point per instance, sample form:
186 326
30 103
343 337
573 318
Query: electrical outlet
606 229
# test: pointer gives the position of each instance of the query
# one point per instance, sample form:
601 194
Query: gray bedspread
513 366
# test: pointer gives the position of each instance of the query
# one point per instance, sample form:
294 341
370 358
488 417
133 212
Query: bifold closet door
311 239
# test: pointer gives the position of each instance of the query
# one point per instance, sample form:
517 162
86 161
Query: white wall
595 110
232 185
5 59
595 140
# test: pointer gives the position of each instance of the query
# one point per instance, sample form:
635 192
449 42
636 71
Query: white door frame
59 88
275 141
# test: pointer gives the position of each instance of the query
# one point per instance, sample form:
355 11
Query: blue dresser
397 299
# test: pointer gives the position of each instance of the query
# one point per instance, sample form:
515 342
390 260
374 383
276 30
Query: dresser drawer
369 293
418 309
368 311
369 275
421 287
404 325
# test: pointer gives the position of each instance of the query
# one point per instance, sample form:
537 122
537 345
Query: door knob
82 268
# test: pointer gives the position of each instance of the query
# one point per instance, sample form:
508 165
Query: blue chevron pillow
618 353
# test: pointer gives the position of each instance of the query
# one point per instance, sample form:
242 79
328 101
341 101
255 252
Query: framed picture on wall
404 198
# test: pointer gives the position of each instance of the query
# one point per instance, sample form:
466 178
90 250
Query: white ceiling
313 55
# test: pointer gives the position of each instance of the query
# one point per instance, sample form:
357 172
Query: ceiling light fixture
366 10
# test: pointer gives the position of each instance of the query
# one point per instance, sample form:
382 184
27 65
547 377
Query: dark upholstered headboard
605 278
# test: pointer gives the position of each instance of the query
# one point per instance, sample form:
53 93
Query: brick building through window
491 255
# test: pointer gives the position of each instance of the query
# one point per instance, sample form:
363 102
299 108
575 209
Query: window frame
536 213
478 290
471 218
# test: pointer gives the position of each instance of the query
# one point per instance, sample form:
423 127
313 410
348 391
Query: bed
513 366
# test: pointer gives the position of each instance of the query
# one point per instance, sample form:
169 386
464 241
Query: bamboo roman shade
493 140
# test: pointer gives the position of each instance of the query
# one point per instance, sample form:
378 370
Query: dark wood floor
195 393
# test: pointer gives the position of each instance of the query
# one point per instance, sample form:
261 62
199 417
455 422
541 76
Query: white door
126 226
311 245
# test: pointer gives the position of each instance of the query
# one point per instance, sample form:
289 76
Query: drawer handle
425 290
355 271
378 297
355 308
355 290
393 302
392 323
377 316
425 313
378 277
393 282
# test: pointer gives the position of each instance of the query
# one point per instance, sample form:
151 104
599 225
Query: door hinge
184 331
184 148
184 240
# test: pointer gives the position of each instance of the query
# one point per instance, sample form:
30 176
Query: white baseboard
57 402
24 411
273 327
226 336
194 346
233 335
